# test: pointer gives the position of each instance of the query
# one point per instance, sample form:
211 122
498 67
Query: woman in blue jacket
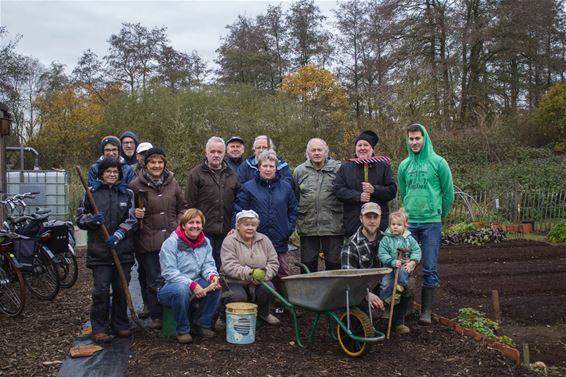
274 201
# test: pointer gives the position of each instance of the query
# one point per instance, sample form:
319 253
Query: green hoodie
425 184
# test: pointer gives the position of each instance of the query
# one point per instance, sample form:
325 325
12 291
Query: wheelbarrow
337 295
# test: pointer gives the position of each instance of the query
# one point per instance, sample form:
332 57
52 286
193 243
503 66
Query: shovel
392 304
115 258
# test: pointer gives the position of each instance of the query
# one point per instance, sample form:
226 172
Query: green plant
476 320
461 228
558 232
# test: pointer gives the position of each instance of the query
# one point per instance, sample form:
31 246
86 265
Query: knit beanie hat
131 135
109 140
369 136
154 152
109 163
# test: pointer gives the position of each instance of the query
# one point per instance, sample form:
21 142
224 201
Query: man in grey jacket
319 223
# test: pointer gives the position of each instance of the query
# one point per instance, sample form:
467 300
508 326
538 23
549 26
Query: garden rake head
365 161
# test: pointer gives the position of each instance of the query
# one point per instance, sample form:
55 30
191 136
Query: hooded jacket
129 160
127 171
248 169
116 202
390 244
275 203
425 184
320 211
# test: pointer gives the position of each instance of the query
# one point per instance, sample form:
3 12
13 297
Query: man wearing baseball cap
360 250
235 150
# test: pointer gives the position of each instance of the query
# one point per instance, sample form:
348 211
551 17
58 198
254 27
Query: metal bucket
240 322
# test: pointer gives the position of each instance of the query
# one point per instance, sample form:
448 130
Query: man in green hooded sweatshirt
427 192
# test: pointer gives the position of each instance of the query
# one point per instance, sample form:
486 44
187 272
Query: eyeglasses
111 172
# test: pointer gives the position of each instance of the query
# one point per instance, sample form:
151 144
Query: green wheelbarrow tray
325 290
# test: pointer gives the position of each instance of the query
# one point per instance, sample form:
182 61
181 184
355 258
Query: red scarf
193 244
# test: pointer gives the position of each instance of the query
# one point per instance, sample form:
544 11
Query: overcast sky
62 30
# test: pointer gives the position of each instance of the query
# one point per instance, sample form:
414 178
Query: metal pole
5 125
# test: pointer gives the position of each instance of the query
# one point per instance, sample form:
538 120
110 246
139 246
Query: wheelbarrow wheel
361 326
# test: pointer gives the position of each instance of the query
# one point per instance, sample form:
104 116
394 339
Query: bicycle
12 286
39 264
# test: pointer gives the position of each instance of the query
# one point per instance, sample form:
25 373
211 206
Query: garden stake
115 258
392 304
496 306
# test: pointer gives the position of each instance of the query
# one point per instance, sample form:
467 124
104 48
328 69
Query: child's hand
410 266
398 263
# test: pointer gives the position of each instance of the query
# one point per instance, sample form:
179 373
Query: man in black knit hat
350 188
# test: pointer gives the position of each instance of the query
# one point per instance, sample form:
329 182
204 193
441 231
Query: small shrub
558 232
470 234
476 320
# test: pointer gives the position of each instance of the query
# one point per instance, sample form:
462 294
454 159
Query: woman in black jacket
115 202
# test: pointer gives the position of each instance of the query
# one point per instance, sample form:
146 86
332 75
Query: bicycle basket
24 250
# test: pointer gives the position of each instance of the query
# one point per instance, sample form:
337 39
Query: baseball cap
247 214
371 207
144 147
235 138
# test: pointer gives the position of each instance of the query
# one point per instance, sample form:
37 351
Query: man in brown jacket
212 188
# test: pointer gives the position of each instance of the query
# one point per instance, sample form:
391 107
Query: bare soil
35 343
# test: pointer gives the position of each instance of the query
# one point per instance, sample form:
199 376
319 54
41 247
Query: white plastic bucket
240 322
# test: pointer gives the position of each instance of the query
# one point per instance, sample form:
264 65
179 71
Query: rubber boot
427 295
312 266
332 266
400 310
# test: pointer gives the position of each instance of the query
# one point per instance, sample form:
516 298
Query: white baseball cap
144 147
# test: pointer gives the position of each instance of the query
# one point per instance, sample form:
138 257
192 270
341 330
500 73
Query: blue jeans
428 235
178 297
386 286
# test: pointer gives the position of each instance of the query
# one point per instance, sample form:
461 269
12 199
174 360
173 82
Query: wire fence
542 209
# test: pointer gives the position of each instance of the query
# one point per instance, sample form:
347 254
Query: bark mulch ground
34 343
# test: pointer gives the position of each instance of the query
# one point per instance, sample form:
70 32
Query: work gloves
115 238
97 219
258 274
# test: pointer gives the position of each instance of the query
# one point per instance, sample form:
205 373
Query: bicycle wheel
67 268
12 288
361 326
43 281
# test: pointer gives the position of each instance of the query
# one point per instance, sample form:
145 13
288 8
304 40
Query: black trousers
105 276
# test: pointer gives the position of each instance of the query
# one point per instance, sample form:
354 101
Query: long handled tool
392 303
115 258
365 161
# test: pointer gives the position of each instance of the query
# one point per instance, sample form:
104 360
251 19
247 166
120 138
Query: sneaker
184 338
396 300
144 313
271 319
202 331
402 329
155 324
219 325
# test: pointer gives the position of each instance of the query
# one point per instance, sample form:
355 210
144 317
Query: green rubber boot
427 295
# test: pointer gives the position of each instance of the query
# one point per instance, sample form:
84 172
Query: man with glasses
129 142
110 148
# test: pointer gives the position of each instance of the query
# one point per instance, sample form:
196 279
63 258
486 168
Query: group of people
236 216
